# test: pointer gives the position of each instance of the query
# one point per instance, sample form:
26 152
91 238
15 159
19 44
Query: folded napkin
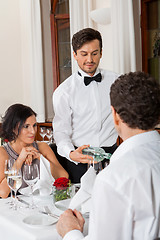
46 180
81 200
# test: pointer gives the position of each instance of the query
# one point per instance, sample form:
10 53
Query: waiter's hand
70 220
77 155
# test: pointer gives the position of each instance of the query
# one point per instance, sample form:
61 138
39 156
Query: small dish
63 204
39 220
27 191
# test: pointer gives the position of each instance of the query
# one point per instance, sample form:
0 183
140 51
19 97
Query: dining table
20 224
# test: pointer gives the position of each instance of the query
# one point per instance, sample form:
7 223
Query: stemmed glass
31 176
43 132
14 180
97 166
7 171
49 135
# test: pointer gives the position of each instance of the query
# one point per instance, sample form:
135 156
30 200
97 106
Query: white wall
10 55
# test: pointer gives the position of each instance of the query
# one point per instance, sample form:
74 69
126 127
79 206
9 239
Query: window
60 34
151 37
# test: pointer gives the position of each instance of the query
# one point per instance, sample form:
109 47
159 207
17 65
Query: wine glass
31 176
43 132
49 134
106 163
96 165
98 155
14 180
7 171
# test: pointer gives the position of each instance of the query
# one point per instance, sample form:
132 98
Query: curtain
124 55
79 19
31 44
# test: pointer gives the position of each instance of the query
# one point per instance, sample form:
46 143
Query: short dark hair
136 98
85 35
15 116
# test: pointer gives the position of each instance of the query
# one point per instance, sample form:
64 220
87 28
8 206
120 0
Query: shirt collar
83 74
133 142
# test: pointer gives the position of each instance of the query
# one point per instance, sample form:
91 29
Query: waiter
82 107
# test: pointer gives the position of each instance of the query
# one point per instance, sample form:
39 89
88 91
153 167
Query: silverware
22 201
49 213
47 210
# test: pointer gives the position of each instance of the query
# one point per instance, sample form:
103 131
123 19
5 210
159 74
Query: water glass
14 180
7 169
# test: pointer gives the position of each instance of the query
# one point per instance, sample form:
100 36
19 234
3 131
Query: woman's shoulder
3 152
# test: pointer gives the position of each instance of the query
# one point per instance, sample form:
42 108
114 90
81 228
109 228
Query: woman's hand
27 154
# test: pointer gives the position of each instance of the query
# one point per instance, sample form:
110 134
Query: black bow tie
88 80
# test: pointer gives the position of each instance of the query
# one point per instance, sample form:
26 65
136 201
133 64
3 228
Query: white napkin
46 180
81 200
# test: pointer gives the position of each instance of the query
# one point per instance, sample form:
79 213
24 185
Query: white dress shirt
126 194
83 113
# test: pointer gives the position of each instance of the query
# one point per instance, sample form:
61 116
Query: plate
64 205
39 220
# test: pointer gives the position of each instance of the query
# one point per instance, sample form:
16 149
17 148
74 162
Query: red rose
5 140
61 182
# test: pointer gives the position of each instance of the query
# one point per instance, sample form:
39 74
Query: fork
48 212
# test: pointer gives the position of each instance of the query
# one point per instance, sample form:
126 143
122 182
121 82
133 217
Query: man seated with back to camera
126 194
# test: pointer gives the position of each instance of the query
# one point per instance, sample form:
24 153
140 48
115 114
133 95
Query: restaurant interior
36 57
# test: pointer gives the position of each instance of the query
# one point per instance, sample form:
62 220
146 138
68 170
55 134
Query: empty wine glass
96 165
98 155
106 163
14 180
43 132
49 135
31 176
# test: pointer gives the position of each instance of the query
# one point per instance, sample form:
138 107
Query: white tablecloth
13 227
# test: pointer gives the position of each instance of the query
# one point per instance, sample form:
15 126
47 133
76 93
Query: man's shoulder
109 74
65 85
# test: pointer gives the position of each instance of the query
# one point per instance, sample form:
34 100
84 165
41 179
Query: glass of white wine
14 180
31 176
7 170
